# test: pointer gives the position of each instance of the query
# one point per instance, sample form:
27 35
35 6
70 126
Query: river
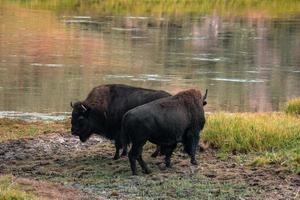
248 63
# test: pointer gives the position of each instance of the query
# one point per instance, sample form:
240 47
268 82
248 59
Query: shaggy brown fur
191 99
98 98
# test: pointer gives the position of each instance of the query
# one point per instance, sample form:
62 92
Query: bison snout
73 132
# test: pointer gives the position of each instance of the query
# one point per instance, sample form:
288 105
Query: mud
49 191
88 171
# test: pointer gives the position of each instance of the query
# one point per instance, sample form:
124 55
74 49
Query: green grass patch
161 8
17 129
274 136
193 187
10 190
293 107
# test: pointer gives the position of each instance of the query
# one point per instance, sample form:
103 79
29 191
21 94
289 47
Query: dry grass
10 190
160 8
17 129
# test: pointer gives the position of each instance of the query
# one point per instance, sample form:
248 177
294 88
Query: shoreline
271 136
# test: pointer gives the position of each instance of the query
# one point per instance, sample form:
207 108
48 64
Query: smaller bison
103 109
165 122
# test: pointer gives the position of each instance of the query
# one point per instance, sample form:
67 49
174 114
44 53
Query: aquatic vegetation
293 107
254 8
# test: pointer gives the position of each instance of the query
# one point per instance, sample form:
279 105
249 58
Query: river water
47 59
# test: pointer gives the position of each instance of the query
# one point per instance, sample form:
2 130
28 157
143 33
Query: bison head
80 121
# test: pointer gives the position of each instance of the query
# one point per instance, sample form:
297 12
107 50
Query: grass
273 137
193 187
274 8
10 190
293 107
17 129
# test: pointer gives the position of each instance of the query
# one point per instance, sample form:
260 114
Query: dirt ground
59 166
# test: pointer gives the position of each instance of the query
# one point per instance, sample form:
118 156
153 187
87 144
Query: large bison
102 111
165 122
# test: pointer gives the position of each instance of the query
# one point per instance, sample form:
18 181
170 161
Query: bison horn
71 104
84 108
205 95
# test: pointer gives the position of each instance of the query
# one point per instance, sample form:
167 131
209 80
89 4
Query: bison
102 111
165 122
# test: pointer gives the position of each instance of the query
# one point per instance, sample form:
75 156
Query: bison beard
102 111
165 122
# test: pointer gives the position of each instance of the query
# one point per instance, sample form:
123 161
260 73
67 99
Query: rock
114 194
156 178
232 165
211 175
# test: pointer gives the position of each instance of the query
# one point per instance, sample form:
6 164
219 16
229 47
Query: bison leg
132 161
193 160
117 153
156 152
168 151
194 150
124 152
133 155
143 165
118 146
190 144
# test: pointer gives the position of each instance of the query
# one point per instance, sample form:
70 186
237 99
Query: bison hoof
147 171
134 174
116 157
194 162
123 154
154 155
168 165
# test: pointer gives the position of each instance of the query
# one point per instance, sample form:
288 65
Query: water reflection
47 60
